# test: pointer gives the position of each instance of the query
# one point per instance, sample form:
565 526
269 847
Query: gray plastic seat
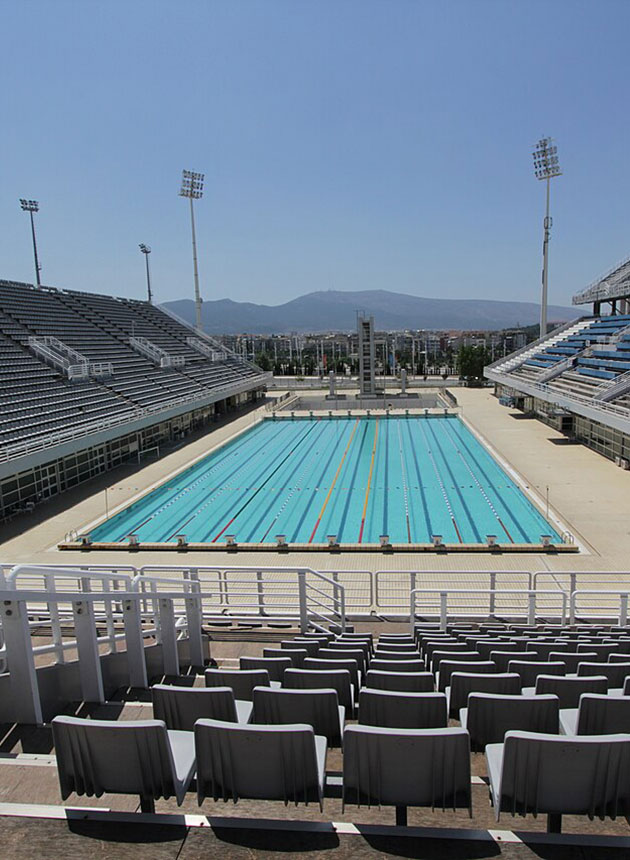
402 710
503 658
465 683
296 655
406 645
544 649
615 672
461 656
403 682
235 762
486 647
242 681
128 757
396 655
571 659
318 708
529 672
447 667
406 767
318 665
489 716
597 715
311 646
310 679
618 658
397 665
568 690
428 648
275 666
536 773
602 651
344 654
352 645
181 707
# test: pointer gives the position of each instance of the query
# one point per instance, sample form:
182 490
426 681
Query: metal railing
602 603
474 603
552 335
206 349
155 353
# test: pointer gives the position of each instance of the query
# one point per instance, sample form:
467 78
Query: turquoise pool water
356 478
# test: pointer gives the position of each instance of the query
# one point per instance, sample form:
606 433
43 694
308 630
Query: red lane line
223 529
505 530
361 530
319 519
457 530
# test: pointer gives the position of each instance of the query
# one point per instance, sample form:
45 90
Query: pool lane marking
332 486
404 479
440 482
369 483
479 486
261 487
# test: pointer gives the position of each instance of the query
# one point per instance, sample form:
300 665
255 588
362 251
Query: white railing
447 604
596 290
155 353
206 349
22 449
613 388
602 603
534 344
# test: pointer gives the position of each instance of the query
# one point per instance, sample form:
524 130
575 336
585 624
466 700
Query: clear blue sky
347 144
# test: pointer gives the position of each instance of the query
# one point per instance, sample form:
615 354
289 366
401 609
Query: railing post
443 610
572 602
493 585
87 649
572 588
342 605
412 611
302 598
623 610
170 657
260 589
136 663
195 634
531 608
55 626
27 706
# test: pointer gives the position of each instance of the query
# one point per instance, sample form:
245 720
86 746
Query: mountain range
334 310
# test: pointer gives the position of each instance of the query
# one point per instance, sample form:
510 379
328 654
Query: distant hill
333 310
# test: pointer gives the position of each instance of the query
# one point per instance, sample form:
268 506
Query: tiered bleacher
37 399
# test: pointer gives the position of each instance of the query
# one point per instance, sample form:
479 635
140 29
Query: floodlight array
144 248
192 184
546 163
29 205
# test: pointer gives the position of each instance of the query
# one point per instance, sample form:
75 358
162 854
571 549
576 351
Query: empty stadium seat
181 707
489 716
402 710
318 708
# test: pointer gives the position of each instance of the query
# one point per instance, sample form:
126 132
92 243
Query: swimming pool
356 478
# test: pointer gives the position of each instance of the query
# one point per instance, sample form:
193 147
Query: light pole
31 206
146 251
546 166
192 187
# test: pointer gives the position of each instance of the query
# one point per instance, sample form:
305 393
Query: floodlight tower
31 206
146 251
546 166
192 187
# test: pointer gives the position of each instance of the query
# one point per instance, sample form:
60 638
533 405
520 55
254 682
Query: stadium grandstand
577 378
89 381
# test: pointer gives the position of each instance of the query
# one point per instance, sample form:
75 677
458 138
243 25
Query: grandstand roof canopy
615 284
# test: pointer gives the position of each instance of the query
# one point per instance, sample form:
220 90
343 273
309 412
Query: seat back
615 672
529 672
337 653
181 707
296 655
242 681
127 757
317 664
603 715
569 690
256 762
397 665
462 656
602 651
311 646
406 767
402 710
275 666
447 667
404 682
335 679
404 646
465 683
571 659
318 708
490 716
560 775
503 658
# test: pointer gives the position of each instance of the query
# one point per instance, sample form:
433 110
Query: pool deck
586 492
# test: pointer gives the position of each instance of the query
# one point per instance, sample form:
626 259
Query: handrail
624 597
535 343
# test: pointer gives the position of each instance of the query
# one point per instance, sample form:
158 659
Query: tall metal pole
146 251
195 269
545 271
37 266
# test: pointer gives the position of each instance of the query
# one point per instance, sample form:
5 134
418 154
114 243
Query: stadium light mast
192 187
31 206
546 166
146 251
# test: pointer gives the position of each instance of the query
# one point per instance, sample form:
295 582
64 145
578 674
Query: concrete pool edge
391 549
